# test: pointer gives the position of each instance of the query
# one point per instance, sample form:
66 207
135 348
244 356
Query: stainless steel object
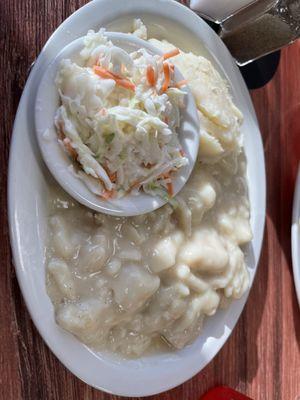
259 28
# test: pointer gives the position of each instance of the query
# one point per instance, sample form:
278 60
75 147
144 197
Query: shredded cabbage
118 119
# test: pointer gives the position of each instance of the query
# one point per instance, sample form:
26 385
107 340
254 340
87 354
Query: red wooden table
262 357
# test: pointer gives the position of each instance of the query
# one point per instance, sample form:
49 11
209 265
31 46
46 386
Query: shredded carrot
105 74
72 152
170 189
102 72
172 67
181 83
171 53
113 177
60 132
164 175
125 83
166 69
151 75
133 186
117 76
108 194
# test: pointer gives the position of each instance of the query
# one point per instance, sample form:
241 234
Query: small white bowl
29 183
58 162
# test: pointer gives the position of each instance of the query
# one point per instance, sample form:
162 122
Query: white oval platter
28 185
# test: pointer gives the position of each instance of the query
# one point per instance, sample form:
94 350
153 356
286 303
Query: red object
224 393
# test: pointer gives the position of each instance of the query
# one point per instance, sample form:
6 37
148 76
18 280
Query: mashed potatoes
124 284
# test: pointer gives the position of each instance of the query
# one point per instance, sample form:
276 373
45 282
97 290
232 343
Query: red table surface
262 358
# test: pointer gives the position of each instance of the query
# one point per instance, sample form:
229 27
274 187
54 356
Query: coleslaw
118 118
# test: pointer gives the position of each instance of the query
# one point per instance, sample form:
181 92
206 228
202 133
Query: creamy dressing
118 118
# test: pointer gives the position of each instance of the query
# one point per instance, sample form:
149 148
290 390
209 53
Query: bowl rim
120 387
